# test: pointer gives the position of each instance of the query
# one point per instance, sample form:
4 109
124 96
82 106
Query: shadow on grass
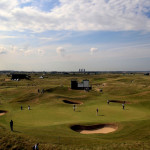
100 115
16 131
78 111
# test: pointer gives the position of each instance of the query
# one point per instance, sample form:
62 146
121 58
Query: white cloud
93 50
8 4
24 51
13 49
3 50
21 51
131 51
46 38
80 15
27 52
25 1
111 56
40 52
7 37
60 51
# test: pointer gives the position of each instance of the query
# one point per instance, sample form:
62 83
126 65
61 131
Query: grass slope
49 119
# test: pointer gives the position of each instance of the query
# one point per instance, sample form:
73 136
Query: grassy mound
49 120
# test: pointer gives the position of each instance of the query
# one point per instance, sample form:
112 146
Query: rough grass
49 120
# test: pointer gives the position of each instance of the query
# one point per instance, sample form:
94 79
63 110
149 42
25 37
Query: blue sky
65 35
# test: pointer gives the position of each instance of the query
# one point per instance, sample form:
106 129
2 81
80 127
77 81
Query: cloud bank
77 15
60 51
93 50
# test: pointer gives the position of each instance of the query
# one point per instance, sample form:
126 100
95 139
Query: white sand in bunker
2 112
104 130
95 129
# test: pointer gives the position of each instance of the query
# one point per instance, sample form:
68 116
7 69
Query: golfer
123 106
107 101
11 125
97 112
35 147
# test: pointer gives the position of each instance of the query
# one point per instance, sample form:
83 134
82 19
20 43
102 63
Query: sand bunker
72 102
2 112
118 101
100 128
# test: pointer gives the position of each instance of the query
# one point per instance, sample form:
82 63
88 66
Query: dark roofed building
20 76
74 84
84 85
146 74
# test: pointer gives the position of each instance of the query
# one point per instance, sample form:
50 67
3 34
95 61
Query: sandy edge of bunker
95 129
2 112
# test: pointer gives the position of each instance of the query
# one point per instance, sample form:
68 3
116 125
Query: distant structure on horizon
146 74
84 85
81 70
41 77
19 76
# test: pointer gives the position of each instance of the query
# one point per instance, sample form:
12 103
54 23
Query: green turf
50 119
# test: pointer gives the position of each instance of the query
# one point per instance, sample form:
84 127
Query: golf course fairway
52 122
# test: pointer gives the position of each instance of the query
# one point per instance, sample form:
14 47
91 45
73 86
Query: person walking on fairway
97 112
74 107
11 125
28 107
21 107
123 106
107 101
